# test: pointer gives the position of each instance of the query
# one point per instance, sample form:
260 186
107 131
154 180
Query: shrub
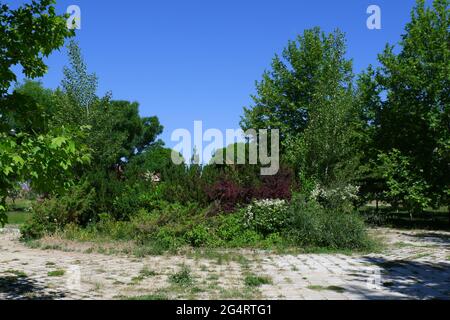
275 187
230 226
232 188
198 236
313 225
267 216
54 214
339 197
228 193
126 203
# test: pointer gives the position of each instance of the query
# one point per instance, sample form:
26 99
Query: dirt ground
414 265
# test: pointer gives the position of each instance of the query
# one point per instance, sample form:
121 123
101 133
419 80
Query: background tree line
346 140
386 129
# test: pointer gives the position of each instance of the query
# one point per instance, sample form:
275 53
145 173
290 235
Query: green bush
50 215
198 236
267 216
312 225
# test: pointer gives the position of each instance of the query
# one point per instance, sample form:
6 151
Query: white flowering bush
339 197
267 216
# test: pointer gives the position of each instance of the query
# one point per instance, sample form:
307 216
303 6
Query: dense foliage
29 149
345 141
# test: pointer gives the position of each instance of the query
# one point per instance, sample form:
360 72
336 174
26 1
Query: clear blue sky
198 60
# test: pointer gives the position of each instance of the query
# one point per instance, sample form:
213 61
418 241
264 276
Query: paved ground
415 265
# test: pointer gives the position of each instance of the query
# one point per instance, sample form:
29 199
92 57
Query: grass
149 297
221 257
182 278
403 245
329 288
419 256
144 273
252 280
17 273
18 211
56 273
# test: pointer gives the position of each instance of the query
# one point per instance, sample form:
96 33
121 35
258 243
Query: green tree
408 111
28 151
78 84
118 132
27 35
309 96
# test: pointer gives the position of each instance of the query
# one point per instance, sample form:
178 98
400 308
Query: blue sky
198 60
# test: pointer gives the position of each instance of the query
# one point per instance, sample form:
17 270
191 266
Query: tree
27 35
118 132
78 84
309 96
408 109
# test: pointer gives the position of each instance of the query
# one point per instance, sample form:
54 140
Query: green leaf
57 142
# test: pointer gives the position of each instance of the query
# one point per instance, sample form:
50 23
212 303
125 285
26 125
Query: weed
252 280
56 273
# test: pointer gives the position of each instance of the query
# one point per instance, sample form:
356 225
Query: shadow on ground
24 288
433 238
411 279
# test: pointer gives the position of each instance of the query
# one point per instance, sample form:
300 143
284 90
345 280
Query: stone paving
415 265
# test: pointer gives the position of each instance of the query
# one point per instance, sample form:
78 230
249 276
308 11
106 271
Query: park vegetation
97 169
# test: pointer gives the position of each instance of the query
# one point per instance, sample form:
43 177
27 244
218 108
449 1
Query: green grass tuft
182 278
56 273
252 280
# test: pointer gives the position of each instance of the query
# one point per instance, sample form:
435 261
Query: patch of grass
403 245
98 286
252 280
17 273
213 277
182 278
420 256
149 297
17 218
196 290
145 272
56 273
329 288
18 211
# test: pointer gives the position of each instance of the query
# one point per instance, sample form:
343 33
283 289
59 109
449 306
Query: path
416 265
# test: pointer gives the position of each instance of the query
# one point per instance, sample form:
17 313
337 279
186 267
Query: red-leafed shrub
275 187
227 192
230 191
